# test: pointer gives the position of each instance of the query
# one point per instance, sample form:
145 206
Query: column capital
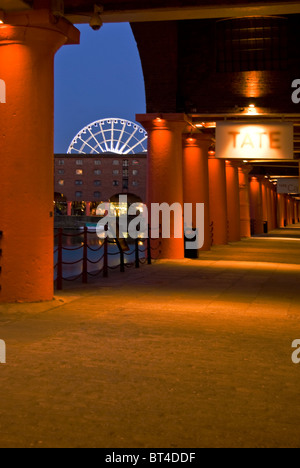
162 121
37 26
232 163
195 139
245 169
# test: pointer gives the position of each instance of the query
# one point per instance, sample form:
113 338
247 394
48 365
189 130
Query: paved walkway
180 354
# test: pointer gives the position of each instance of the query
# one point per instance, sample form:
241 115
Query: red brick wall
181 74
106 189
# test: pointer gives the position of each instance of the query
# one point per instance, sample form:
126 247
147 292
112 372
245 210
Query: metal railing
142 253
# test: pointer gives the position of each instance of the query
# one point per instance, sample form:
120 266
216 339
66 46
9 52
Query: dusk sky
102 77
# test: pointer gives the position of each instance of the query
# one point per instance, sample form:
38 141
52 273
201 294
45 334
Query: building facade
82 182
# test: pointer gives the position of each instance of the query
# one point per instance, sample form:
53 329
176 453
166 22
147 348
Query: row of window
97 183
116 162
99 172
80 194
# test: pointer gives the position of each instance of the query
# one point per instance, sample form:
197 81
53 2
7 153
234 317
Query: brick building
82 182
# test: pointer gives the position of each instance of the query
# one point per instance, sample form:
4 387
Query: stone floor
187 354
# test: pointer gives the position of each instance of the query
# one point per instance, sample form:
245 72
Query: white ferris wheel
117 136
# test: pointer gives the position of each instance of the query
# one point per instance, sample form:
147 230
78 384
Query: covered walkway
180 354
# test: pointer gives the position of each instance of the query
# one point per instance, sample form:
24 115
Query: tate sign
254 141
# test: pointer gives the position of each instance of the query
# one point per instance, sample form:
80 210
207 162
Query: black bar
59 281
85 257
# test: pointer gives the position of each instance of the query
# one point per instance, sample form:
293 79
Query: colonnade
180 170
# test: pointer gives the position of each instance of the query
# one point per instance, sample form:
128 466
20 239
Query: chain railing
141 254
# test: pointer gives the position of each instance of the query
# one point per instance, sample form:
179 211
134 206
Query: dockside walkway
193 353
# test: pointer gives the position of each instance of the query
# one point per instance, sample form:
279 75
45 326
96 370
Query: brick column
28 42
245 200
233 201
256 205
195 178
218 200
165 171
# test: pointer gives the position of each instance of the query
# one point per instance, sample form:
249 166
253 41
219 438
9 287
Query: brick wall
66 166
181 72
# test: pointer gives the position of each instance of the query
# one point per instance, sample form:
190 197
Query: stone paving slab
179 354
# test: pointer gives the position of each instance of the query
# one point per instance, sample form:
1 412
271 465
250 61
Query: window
97 172
135 183
97 194
125 184
125 163
78 182
115 183
97 162
79 162
97 183
61 171
61 182
61 162
125 172
116 172
78 194
135 172
116 162
135 162
79 172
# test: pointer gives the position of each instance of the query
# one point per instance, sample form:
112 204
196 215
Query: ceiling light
252 109
212 150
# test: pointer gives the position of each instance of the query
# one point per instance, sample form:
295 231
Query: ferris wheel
110 136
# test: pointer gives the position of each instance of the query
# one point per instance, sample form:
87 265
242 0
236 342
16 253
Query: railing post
85 257
105 260
122 261
137 256
59 281
149 254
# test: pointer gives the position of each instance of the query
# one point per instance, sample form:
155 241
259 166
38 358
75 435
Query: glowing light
212 150
191 140
252 110
1 17
209 124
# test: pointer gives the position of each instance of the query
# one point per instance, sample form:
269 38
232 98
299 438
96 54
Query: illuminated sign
254 141
290 186
2 92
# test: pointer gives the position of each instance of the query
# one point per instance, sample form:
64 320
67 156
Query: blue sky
102 77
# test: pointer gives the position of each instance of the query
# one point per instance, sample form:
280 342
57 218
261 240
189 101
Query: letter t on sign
235 135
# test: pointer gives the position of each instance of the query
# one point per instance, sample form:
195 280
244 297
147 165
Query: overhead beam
188 13
13 5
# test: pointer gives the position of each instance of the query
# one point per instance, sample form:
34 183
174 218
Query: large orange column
195 178
270 206
233 201
28 43
256 205
265 211
165 171
281 216
218 200
245 201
